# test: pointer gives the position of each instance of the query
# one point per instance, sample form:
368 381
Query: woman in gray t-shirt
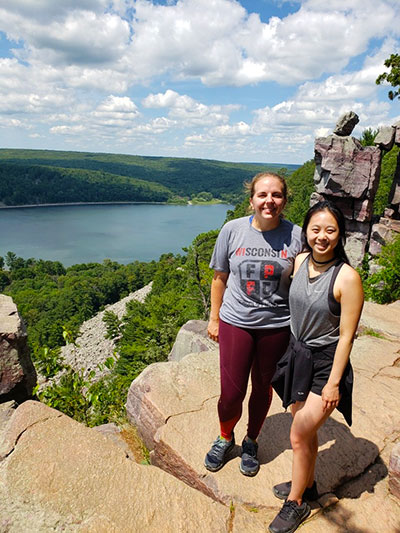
253 259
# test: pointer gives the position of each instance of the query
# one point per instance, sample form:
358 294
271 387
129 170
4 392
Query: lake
92 233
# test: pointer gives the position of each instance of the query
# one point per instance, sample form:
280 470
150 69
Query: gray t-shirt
259 264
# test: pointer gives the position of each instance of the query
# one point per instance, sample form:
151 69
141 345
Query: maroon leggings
245 350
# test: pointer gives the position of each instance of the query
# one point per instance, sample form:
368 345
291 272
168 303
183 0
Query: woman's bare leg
308 417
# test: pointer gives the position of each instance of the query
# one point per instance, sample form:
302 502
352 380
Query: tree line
44 176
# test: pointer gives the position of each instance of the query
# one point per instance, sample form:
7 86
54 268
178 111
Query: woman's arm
349 292
218 286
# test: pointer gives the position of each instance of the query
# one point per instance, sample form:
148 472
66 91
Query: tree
392 77
368 136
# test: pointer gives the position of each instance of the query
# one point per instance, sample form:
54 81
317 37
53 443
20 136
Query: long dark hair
326 205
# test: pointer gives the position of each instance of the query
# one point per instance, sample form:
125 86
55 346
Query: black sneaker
217 456
289 517
249 464
282 491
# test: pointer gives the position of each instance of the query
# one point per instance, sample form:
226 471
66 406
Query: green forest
45 176
54 300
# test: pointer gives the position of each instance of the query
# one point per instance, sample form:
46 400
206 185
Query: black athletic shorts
322 366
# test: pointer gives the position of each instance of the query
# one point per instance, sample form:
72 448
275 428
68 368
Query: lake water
92 233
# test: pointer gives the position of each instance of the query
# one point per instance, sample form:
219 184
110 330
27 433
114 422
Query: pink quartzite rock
385 138
79 478
17 373
356 241
160 390
346 124
191 338
394 471
382 233
345 168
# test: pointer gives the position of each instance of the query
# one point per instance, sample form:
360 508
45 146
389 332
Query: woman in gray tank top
315 376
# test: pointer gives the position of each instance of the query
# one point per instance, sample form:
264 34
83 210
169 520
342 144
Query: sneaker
217 456
289 517
249 464
282 491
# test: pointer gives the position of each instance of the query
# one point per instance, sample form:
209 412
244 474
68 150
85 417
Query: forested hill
46 176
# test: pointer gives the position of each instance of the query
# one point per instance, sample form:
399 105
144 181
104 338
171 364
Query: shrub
384 286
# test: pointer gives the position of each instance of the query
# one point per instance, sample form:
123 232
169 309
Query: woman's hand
330 396
213 329
218 286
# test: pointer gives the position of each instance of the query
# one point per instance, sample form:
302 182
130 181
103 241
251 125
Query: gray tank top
314 313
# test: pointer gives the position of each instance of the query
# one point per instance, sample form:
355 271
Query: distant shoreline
190 202
2 206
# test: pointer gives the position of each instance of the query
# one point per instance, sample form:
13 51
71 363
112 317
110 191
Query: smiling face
323 235
268 201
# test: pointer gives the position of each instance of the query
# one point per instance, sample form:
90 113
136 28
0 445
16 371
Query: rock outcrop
17 373
58 475
172 402
347 173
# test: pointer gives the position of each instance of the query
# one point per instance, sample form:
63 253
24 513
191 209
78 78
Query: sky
252 81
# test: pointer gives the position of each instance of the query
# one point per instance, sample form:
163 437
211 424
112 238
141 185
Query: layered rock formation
58 475
174 407
17 373
348 174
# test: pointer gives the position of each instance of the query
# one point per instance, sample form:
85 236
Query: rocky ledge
58 475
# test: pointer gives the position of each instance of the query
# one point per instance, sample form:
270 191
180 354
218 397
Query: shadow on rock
342 456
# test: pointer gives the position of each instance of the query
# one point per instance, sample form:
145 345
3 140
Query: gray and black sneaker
289 517
282 491
249 464
217 456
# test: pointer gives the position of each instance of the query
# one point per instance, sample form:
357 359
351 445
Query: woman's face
323 234
268 199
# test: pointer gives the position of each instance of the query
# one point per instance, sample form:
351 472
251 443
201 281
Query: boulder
191 338
385 137
382 233
58 475
345 168
346 124
17 373
357 234
163 390
394 471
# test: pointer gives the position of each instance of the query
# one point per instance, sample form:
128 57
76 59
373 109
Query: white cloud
116 111
80 68
217 42
67 130
187 111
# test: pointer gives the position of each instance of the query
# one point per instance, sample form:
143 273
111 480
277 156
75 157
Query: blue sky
216 79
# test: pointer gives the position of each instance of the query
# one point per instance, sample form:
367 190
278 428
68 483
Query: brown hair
250 185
